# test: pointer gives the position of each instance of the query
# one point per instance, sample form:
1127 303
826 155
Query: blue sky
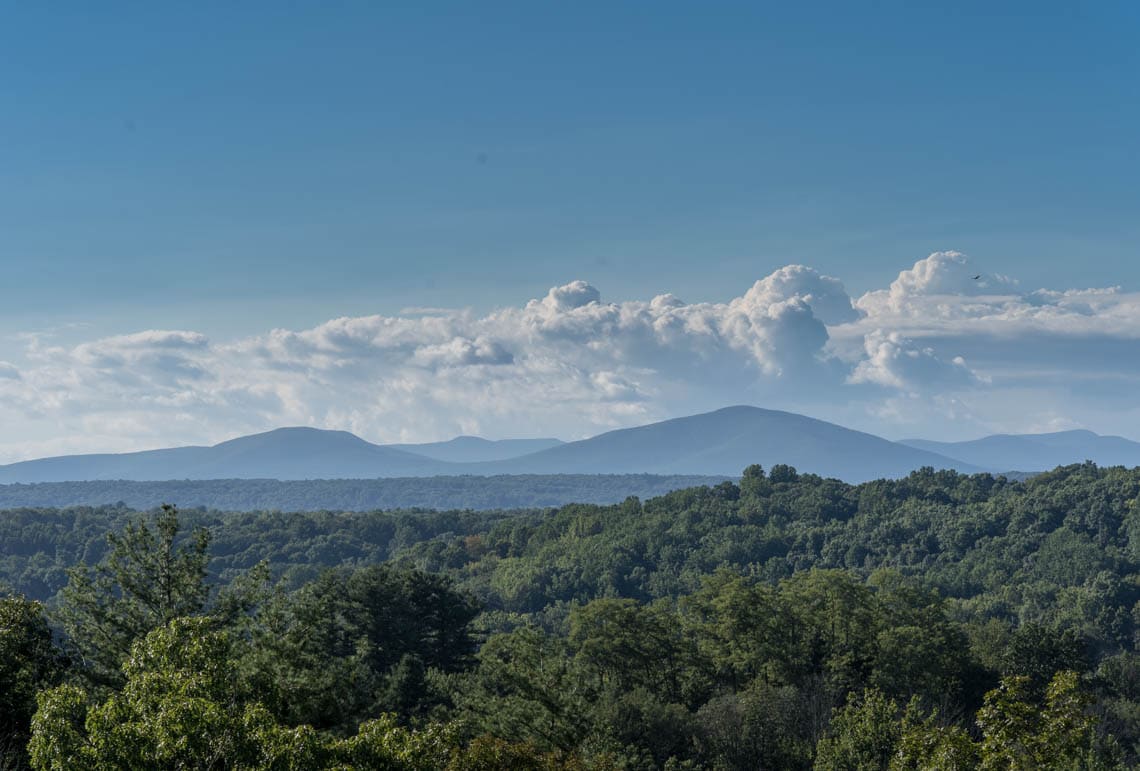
231 168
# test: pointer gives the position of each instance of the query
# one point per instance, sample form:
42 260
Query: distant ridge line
718 443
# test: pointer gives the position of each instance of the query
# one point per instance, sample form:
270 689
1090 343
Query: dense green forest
511 491
939 621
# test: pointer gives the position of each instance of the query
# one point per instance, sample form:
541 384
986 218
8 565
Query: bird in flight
977 276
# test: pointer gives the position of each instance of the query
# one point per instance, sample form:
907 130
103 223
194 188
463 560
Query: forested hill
446 492
789 621
969 536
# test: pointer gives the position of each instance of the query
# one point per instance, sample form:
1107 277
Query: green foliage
763 727
178 708
1019 732
359 642
753 484
182 706
147 579
631 646
488 753
926 743
29 662
527 686
745 631
863 735
780 623
513 491
1039 652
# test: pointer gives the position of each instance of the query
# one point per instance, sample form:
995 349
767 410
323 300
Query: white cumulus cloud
897 362
937 344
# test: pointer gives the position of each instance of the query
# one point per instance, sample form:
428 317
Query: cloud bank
946 344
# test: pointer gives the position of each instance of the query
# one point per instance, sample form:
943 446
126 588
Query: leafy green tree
182 705
840 620
863 737
1020 732
382 743
928 743
148 578
919 652
29 661
488 753
782 473
1118 683
179 708
527 687
753 484
631 645
745 631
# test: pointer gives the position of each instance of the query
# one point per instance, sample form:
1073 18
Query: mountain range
727 440
722 442
473 449
1036 452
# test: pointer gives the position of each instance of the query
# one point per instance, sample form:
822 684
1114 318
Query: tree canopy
788 621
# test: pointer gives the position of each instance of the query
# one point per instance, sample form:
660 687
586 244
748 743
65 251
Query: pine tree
148 578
